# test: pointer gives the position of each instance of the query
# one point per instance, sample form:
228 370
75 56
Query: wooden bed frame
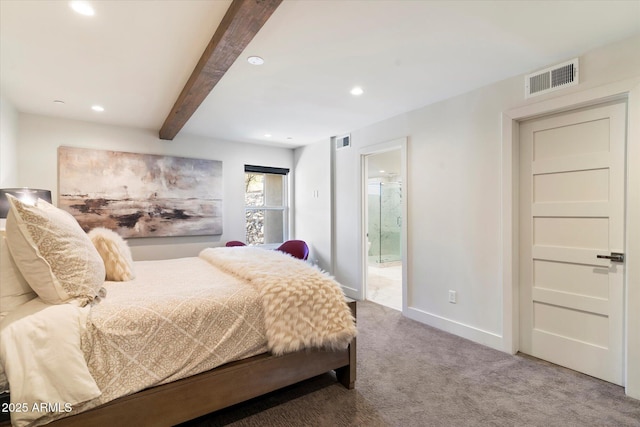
226 385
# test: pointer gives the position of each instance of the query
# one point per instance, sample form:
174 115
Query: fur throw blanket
303 307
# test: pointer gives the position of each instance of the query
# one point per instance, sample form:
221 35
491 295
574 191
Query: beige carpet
410 374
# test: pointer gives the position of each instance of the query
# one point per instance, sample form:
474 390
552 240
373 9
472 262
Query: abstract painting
141 195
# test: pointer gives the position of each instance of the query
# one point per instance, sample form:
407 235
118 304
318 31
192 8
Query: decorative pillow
14 290
115 253
53 253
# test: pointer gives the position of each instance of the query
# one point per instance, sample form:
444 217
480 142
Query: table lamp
26 195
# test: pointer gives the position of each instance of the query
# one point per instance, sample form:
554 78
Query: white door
571 212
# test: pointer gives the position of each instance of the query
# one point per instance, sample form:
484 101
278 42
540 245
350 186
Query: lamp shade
26 195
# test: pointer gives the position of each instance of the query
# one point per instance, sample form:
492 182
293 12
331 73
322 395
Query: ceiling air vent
552 78
343 141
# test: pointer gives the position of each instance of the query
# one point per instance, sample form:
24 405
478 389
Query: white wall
313 200
633 247
455 197
8 144
40 137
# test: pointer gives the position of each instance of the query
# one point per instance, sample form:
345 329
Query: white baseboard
350 292
474 334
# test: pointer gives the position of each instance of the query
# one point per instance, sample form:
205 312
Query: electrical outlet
453 297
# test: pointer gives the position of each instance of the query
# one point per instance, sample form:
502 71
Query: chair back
296 248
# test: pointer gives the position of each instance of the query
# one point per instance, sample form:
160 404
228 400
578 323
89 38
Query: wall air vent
343 141
552 78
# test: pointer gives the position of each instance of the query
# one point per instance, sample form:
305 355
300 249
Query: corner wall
40 137
8 144
313 200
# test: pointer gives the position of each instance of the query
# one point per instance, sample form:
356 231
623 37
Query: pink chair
296 248
232 243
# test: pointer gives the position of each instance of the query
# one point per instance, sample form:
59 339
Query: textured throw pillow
14 290
53 253
115 253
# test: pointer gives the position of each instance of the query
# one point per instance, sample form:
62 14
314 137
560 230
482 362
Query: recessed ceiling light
58 102
267 135
98 108
357 91
382 171
82 7
255 60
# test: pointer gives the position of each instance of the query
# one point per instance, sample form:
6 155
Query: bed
181 339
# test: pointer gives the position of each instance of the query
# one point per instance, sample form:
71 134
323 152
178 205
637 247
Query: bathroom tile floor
384 284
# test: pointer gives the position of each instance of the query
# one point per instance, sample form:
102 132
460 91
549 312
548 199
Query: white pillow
115 253
14 290
53 253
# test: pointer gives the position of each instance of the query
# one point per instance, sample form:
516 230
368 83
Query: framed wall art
141 195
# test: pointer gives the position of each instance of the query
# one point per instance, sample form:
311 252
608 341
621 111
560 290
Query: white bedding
177 318
40 351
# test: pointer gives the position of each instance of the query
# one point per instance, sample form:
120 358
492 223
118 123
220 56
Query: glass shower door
385 222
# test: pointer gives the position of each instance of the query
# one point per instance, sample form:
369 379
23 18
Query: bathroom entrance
384 218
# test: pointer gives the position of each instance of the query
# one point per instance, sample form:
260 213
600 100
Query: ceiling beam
240 24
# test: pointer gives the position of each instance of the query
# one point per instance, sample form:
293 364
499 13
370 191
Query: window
265 198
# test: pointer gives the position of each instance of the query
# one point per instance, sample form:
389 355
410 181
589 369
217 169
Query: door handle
615 257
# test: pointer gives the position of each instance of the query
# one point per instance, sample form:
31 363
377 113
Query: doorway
572 204
384 224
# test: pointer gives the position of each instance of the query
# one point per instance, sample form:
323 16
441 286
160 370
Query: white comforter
177 318
40 351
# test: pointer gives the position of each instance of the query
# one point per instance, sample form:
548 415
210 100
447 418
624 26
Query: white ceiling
134 57
384 165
